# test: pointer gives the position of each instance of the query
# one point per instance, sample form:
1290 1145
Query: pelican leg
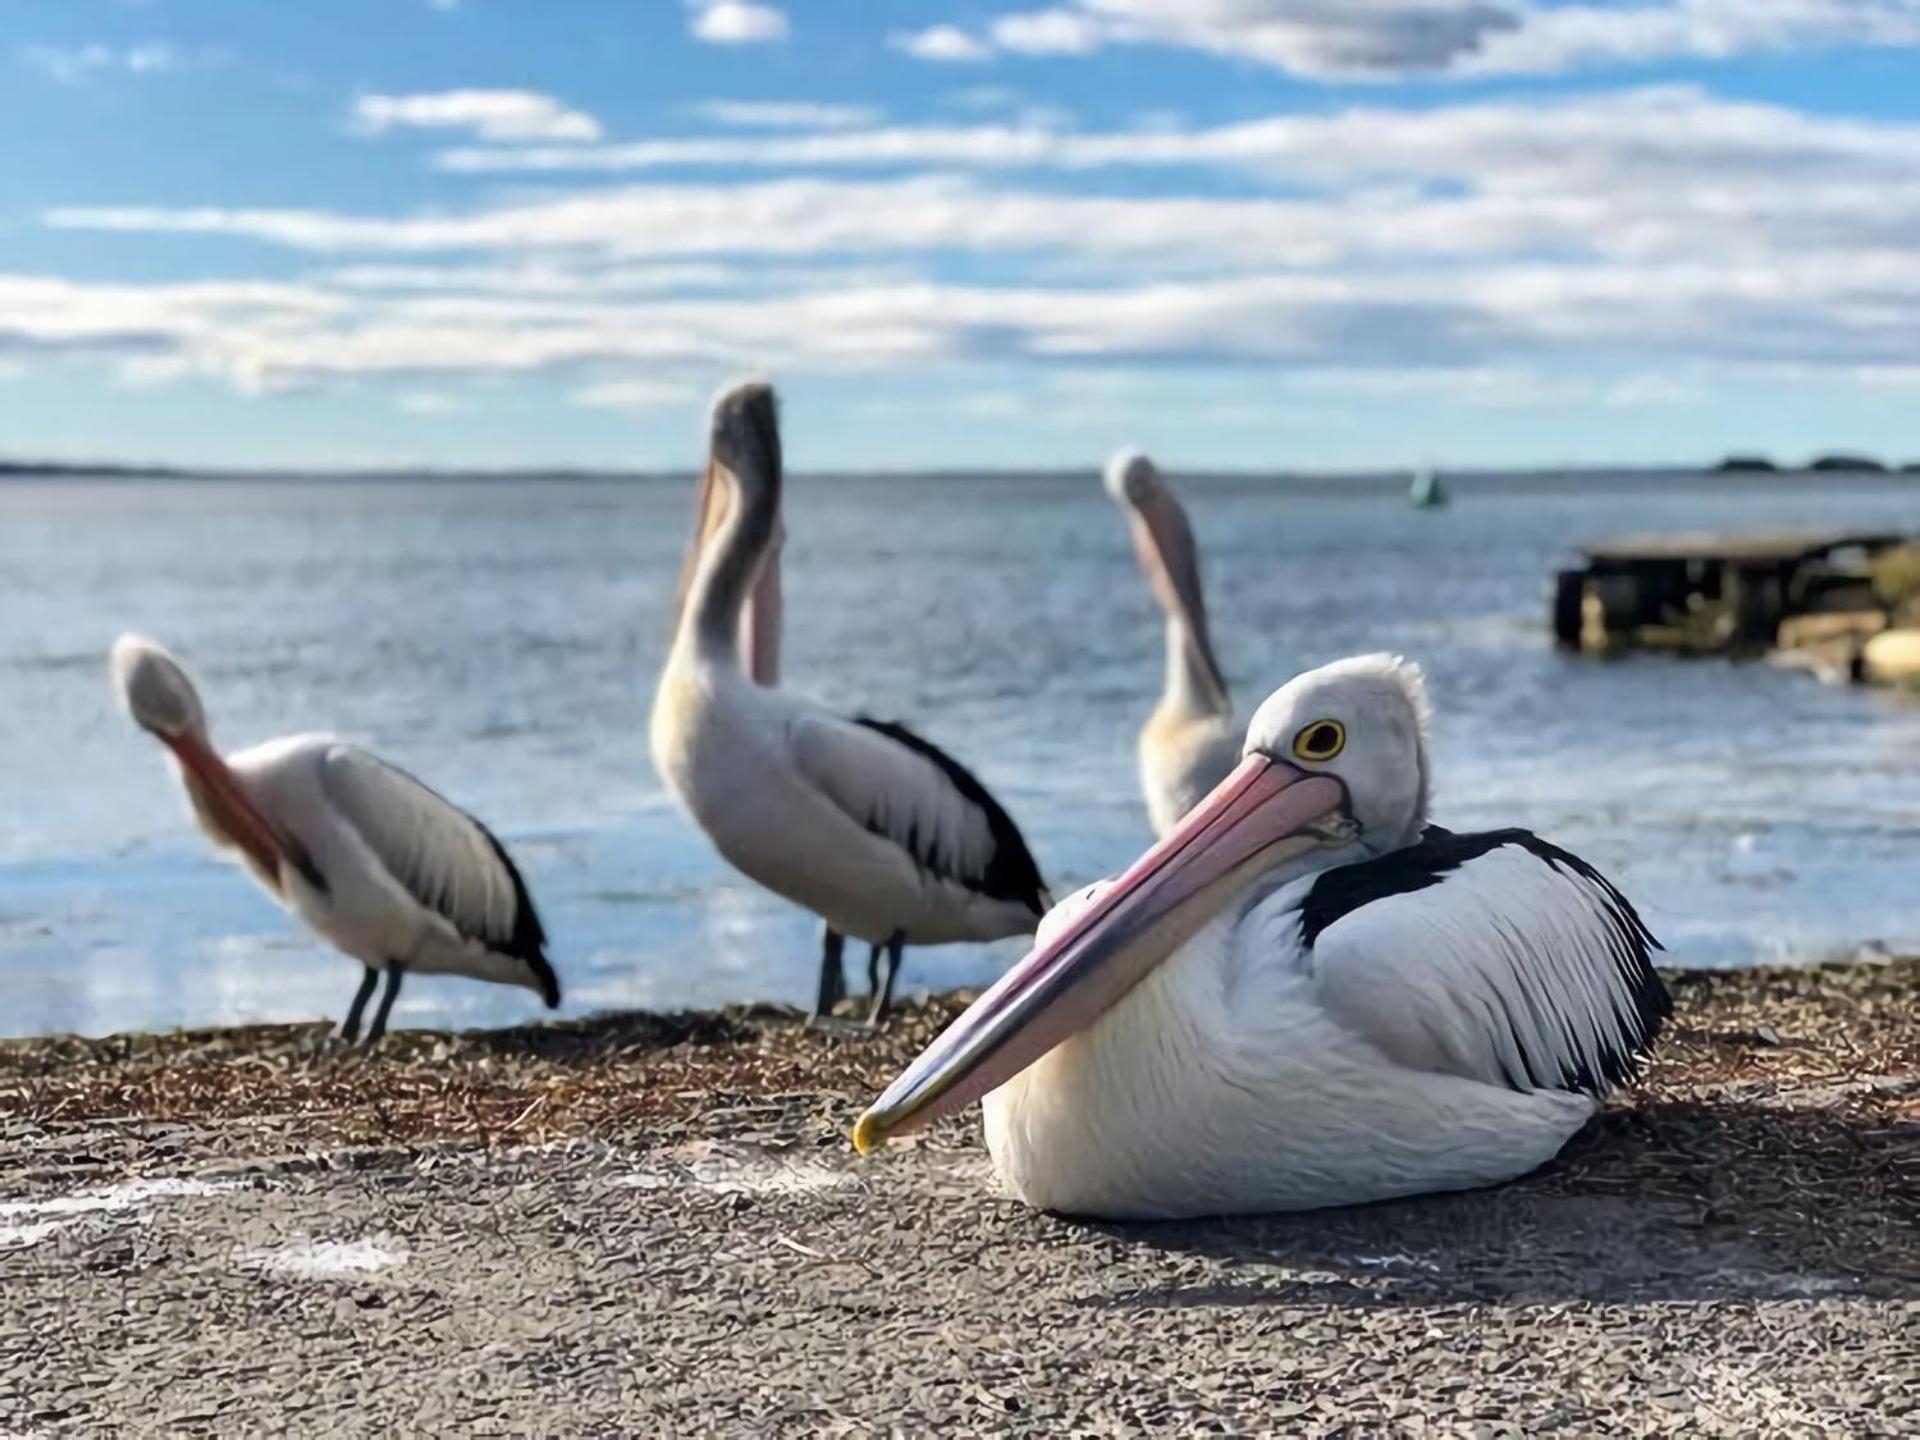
396 972
896 948
833 975
348 1030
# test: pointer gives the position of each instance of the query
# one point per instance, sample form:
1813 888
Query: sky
1270 234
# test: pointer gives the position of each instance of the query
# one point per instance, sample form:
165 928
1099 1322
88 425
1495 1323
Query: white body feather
1249 1072
820 810
377 836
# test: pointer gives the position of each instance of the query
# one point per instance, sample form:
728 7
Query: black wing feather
1641 1002
1011 873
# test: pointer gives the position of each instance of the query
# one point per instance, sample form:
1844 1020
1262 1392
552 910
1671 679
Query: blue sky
1262 233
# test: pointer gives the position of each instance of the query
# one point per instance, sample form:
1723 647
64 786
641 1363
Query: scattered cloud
71 65
1567 37
431 402
536 278
785 114
1577 249
1051 32
1388 39
735 22
1477 336
636 394
1634 151
946 44
497 115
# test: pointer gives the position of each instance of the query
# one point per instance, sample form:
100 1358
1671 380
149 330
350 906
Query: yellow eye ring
1322 740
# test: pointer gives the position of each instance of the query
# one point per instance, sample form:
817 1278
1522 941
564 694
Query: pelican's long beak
1262 814
715 499
233 808
1163 539
760 621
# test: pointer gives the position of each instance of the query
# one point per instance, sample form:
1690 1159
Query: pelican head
1132 478
1364 722
155 689
742 479
162 701
1163 540
1334 760
744 440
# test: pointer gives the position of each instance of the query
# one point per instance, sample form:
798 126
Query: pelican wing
899 786
1495 956
439 854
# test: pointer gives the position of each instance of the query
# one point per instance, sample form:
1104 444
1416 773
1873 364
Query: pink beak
1262 814
237 814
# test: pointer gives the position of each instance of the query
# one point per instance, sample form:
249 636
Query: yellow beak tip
868 1136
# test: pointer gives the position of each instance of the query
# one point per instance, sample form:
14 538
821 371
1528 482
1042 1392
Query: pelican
373 861
1305 995
885 837
1190 742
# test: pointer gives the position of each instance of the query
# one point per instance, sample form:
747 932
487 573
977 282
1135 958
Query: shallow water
501 639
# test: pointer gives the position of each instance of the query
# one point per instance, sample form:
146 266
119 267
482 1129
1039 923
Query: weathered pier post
1710 593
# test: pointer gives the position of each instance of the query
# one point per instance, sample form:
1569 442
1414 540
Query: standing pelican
885 837
372 860
1305 995
1190 742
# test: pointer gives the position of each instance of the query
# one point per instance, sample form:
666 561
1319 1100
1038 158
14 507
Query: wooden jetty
1714 593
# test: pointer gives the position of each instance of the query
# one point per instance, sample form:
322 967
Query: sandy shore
654 1225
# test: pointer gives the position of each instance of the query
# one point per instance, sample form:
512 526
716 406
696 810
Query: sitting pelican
1305 995
861 821
1190 742
372 860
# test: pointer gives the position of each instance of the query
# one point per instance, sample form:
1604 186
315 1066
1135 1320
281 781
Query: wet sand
648 1224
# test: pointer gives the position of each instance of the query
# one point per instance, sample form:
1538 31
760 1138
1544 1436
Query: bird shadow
1672 1201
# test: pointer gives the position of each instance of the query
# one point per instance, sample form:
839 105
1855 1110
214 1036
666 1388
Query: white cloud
942 43
636 394
1051 32
734 22
785 114
1583 36
72 64
536 278
1646 235
431 402
1380 39
1625 150
1479 333
500 115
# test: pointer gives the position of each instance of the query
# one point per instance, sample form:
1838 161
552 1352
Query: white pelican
1190 742
861 821
1305 995
372 860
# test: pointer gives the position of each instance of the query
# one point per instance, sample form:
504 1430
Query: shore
654 1224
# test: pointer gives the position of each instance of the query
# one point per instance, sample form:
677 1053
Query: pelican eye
1322 740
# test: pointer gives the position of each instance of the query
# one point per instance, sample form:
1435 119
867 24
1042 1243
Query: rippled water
501 640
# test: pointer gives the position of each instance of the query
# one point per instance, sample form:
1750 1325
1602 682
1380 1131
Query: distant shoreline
1735 478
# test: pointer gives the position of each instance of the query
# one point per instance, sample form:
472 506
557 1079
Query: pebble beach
654 1224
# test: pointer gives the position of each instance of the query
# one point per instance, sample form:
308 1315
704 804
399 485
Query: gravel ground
654 1225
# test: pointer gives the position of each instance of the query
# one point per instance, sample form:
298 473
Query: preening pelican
373 861
882 835
1190 742
1305 995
